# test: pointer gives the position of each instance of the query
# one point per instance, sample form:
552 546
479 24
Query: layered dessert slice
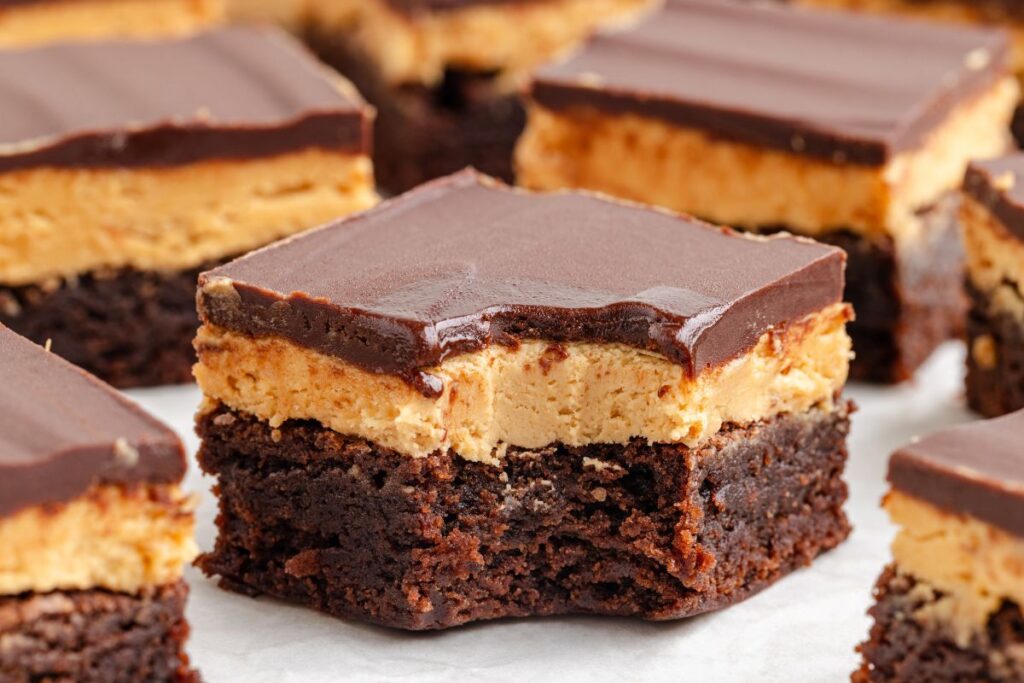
94 529
949 606
992 218
443 75
126 168
33 22
473 402
852 130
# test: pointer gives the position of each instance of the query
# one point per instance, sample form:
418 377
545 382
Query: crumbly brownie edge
425 133
903 648
656 531
130 328
95 637
995 358
906 301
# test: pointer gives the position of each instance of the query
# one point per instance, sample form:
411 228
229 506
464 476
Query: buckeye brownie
94 529
473 402
442 74
852 130
126 168
949 606
992 219
33 22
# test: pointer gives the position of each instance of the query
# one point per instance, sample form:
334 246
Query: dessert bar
472 402
126 168
94 529
853 130
992 218
443 75
949 606
33 22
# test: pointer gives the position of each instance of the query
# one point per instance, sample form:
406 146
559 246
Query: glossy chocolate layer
998 185
464 261
832 85
975 469
62 431
231 93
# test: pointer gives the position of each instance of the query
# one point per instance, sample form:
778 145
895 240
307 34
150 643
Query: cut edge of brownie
902 648
906 302
96 636
425 133
658 531
128 327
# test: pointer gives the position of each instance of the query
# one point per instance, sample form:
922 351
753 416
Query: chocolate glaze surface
62 431
230 93
998 185
842 87
975 469
464 261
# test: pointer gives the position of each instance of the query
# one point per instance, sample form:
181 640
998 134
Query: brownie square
949 606
756 116
130 167
422 417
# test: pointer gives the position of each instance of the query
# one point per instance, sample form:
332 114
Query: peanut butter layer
949 11
530 395
976 565
687 169
995 258
61 20
60 222
511 37
113 538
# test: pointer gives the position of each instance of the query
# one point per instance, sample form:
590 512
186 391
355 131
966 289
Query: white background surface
802 629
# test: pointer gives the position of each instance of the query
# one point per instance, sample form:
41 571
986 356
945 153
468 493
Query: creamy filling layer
995 258
111 538
530 396
513 37
976 565
58 223
58 20
949 11
652 161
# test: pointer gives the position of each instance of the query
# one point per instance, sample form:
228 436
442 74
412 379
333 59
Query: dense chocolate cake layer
998 185
902 648
230 93
907 301
975 469
95 637
658 531
62 431
831 85
994 386
128 327
464 262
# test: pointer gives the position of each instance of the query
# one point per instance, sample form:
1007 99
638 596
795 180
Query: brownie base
129 328
95 637
653 530
907 301
903 649
994 389
424 133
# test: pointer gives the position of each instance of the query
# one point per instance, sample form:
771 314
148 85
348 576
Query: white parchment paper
802 629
